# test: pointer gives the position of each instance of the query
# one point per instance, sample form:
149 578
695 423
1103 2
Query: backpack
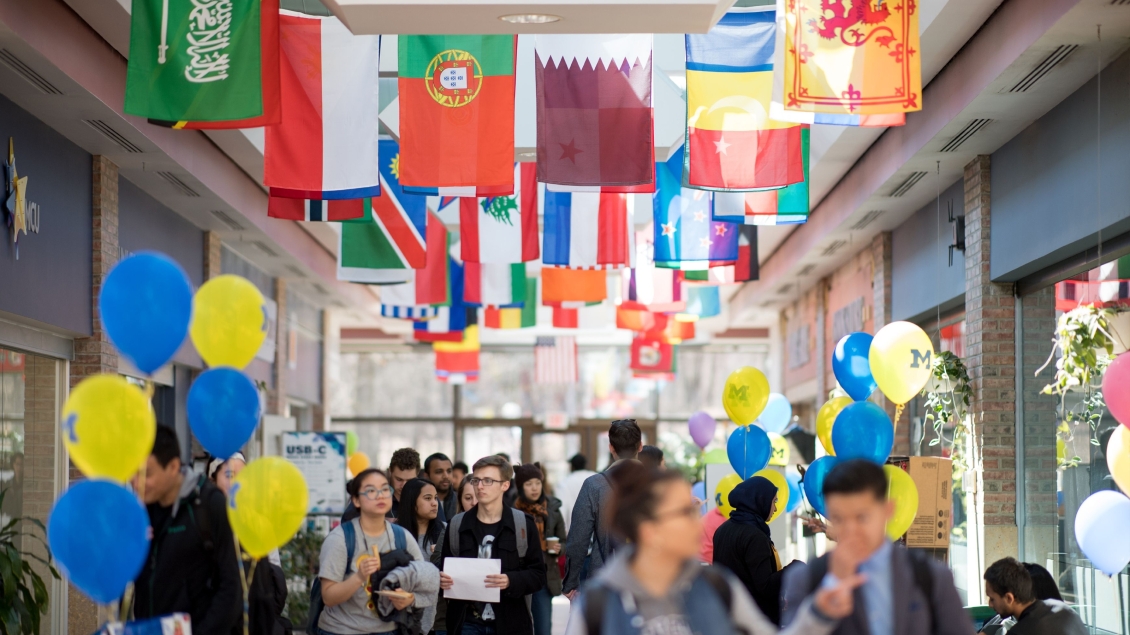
317 604
597 594
923 579
519 529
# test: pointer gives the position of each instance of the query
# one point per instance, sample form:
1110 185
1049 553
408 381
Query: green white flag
194 60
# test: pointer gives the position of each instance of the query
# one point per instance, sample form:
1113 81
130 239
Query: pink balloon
702 428
1116 388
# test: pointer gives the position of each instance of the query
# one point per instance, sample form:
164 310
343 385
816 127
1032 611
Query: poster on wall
321 458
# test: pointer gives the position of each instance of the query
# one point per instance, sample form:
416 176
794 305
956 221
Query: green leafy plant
682 455
948 398
300 566
1085 346
23 594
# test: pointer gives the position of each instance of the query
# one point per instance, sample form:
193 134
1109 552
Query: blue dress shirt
878 590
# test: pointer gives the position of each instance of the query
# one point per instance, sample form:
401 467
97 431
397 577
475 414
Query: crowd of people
628 546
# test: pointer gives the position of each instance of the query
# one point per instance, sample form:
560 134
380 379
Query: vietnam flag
732 144
456 110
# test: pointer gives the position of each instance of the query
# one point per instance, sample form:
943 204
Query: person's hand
571 594
404 602
445 581
498 581
553 550
816 525
837 602
366 568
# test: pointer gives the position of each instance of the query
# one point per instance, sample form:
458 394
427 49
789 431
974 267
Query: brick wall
276 400
1039 421
990 349
213 254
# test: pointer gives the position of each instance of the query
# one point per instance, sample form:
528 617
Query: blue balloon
814 481
698 490
795 492
778 413
852 366
223 410
863 431
99 534
749 450
146 307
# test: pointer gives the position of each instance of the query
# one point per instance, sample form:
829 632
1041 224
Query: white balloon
1099 527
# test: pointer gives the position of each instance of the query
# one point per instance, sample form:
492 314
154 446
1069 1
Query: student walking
438 470
419 511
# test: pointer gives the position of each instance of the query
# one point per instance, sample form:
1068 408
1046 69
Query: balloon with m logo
901 358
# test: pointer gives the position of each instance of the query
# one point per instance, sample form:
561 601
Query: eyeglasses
690 511
373 493
487 482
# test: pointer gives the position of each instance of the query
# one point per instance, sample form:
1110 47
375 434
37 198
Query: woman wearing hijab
744 545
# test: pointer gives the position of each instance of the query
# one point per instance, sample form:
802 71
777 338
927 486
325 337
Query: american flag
555 360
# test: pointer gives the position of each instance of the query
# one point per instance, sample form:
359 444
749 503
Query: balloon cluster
1109 550
98 529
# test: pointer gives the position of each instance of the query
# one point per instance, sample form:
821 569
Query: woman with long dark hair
655 584
419 508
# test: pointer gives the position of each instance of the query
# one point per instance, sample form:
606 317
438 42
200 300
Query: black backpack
317 604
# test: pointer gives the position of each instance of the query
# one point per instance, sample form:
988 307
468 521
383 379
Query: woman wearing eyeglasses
656 584
344 584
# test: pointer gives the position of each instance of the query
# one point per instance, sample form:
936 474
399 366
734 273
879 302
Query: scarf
539 509
752 501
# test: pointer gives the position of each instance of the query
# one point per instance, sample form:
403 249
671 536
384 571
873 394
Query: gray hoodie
664 614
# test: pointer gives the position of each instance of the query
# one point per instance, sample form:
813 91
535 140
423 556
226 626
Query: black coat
267 598
182 575
527 575
748 553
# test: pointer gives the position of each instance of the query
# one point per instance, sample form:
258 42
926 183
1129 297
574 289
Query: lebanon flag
429 284
586 231
269 60
457 109
326 145
595 120
494 283
316 210
504 228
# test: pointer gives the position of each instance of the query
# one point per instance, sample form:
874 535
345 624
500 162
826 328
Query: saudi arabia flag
194 60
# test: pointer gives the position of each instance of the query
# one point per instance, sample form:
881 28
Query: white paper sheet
468 576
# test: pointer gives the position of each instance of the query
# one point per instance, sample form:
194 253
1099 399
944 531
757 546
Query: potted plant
23 594
948 396
1085 343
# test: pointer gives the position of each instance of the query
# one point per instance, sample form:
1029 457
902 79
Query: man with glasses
491 530
588 545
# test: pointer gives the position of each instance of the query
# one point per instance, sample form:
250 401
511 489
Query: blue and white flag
686 234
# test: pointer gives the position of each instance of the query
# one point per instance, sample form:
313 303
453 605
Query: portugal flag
456 110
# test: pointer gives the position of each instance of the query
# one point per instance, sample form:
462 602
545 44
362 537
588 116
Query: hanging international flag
674 331
651 355
269 67
646 188
316 210
634 317
502 229
429 285
586 231
555 360
195 61
649 287
492 283
519 316
458 362
595 122
785 206
591 316
573 286
392 240
409 312
327 144
685 234
732 144
848 57
703 301
457 110
451 320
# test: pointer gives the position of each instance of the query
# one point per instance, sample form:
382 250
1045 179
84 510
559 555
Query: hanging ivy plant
948 398
1085 346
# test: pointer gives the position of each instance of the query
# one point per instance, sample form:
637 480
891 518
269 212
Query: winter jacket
747 552
554 528
1048 617
182 574
527 574
267 598
587 529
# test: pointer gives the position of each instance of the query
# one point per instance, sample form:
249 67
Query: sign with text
321 458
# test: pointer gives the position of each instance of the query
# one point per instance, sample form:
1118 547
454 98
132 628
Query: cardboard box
934 478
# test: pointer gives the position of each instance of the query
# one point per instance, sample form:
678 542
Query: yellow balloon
1118 457
900 360
745 395
108 427
267 504
778 479
722 493
358 461
826 417
780 454
902 490
229 321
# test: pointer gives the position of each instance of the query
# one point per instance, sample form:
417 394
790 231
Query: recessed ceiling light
528 155
530 18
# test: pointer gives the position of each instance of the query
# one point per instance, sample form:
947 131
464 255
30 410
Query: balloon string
898 414
245 580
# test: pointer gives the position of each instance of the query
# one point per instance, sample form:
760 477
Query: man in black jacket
488 531
192 566
1008 585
